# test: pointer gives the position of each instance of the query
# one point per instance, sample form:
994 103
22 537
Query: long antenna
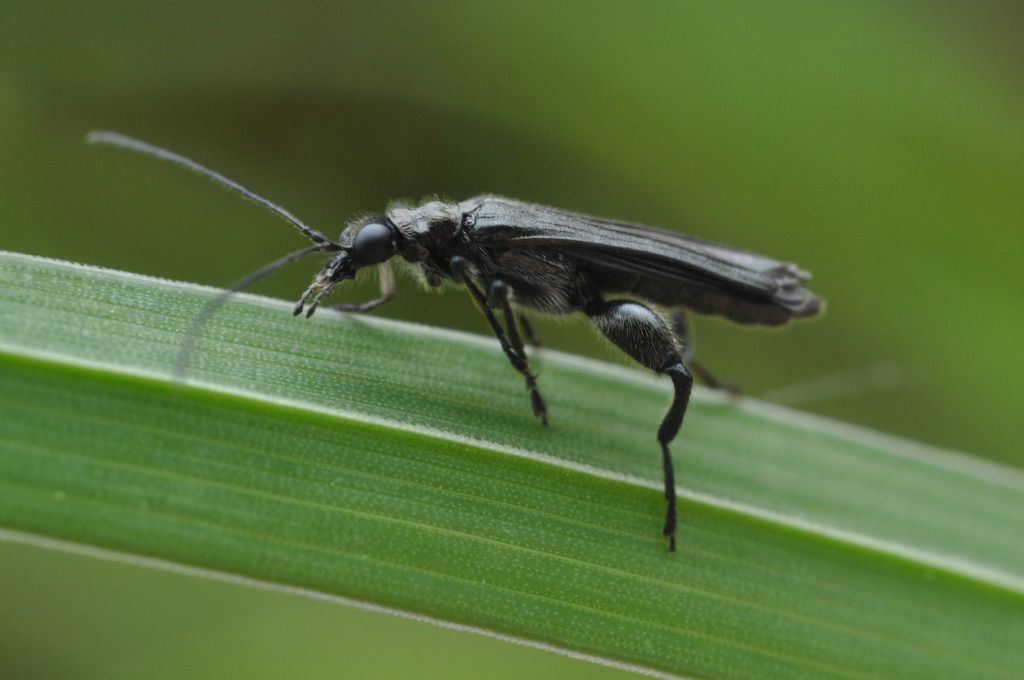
188 344
125 142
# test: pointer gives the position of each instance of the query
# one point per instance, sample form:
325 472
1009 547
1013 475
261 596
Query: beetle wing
650 252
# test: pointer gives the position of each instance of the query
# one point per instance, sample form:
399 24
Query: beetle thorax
428 231
429 223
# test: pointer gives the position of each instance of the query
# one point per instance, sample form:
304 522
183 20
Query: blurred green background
879 145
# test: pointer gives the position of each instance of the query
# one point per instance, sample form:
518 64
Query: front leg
513 349
386 279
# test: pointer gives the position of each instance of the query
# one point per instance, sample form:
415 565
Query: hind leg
681 325
643 335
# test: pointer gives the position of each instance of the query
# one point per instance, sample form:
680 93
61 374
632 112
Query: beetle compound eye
373 244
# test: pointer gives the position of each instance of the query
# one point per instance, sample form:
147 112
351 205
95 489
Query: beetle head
371 244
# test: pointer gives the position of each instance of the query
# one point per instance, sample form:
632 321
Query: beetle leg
527 327
386 278
681 326
497 296
513 349
644 335
711 381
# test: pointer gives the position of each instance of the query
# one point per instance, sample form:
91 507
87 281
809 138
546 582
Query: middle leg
513 348
531 336
498 297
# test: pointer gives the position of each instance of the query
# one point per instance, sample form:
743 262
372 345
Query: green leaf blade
337 457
